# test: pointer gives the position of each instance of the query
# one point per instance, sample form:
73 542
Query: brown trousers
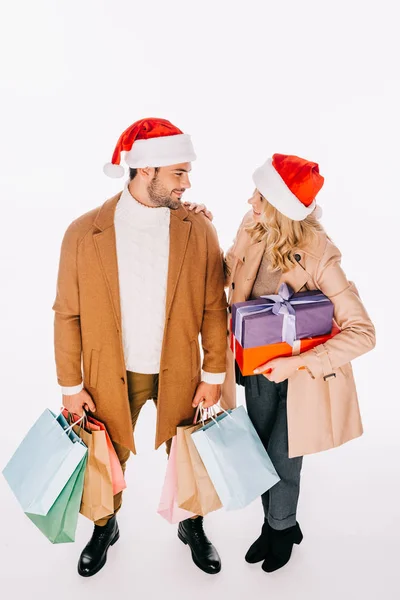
140 389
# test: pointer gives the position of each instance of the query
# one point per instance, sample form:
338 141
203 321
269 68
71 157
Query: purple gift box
282 317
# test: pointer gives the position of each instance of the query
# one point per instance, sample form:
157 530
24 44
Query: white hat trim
274 189
160 151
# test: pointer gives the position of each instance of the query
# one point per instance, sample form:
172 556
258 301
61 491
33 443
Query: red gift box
249 359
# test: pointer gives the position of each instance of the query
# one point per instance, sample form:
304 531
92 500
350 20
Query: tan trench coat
322 413
87 326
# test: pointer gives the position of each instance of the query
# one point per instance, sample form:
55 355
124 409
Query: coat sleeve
67 328
229 262
230 256
214 325
357 334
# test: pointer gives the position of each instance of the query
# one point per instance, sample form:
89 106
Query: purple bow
282 306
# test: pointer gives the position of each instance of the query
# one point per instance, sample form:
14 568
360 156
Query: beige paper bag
97 498
196 493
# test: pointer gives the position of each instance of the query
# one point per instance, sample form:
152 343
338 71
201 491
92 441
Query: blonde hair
283 235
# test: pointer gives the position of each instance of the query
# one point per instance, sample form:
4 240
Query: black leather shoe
204 554
94 555
280 547
259 550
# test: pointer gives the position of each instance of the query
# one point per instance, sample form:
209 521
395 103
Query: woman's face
257 202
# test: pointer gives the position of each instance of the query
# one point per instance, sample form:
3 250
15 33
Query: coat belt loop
327 369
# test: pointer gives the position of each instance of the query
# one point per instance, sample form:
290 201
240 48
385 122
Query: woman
307 403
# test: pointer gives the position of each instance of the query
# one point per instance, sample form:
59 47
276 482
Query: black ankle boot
280 547
259 550
94 555
204 554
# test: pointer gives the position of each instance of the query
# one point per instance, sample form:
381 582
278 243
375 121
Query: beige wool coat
87 325
323 412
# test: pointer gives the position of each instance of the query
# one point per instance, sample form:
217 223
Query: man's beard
160 196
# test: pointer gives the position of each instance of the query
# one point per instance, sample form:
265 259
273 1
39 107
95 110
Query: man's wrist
71 390
213 378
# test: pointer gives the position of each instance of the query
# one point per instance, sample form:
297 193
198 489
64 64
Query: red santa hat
150 143
290 184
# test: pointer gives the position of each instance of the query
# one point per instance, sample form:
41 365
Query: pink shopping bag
168 507
117 475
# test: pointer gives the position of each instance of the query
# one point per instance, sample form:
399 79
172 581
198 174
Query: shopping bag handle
207 413
204 413
200 410
83 417
217 405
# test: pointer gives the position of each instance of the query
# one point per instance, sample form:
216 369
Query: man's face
168 185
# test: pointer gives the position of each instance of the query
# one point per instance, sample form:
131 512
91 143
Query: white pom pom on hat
150 143
114 171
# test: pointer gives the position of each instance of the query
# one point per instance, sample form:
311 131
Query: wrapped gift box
249 359
282 317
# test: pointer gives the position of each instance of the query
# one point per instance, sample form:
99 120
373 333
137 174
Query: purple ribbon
282 306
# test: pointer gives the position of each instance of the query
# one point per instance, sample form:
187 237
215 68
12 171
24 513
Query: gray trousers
266 407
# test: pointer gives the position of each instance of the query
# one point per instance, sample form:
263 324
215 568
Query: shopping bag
97 498
196 491
43 463
92 424
168 507
118 479
59 525
235 458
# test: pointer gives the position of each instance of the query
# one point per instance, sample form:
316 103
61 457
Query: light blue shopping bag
43 463
235 459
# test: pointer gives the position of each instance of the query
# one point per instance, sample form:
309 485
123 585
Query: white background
246 79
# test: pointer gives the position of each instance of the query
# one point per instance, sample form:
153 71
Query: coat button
229 309
233 285
244 259
123 379
297 257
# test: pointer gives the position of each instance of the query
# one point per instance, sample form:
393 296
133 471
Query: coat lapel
296 277
179 237
105 243
252 261
253 258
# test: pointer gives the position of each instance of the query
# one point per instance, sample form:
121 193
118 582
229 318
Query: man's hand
199 208
279 369
77 402
207 393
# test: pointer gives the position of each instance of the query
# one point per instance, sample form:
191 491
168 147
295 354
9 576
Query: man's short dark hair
133 172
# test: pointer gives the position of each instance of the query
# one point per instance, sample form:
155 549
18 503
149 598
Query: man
139 279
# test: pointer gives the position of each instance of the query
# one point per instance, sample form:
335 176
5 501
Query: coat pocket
94 368
347 370
195 358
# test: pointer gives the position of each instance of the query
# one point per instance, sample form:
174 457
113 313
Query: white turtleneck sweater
142 243
142 237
